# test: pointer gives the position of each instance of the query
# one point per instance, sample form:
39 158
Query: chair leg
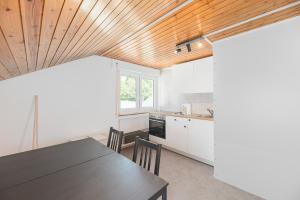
164 194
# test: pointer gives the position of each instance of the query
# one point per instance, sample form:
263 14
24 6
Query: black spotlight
188 46
178 50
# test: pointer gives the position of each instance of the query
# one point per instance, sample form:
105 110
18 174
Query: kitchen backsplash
200 102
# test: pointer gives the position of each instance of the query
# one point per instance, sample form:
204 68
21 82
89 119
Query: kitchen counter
192 116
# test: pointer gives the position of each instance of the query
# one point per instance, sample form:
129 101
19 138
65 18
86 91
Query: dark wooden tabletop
80 170
22 167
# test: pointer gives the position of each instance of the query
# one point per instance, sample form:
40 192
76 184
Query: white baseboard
189 155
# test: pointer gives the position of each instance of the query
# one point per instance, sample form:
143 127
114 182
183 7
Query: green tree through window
128 90
147 92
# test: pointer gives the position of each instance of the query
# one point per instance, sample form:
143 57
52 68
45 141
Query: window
128 94
147 90
137 92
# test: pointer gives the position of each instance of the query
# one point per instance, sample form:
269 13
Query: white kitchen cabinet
203 76
192 137
182 75
201 139
177 133
191 77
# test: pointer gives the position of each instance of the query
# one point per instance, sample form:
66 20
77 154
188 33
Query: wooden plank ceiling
37 34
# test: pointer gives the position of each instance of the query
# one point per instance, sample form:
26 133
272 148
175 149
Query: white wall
190 82
257 97
76 99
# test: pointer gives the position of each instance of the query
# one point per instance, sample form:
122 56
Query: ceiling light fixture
188 44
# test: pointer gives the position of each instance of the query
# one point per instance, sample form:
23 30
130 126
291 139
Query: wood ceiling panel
160 59
145 14
11 25
151 12
31 12
126 20
84 10
96 32
185 20
104 14
36 34
284 14
169 31
230 18
162 31
6 58
66 17
181 20
52 11
172 31
90 23
4 73
113 18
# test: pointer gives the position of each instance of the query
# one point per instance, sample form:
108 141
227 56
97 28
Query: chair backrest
115 139
145 154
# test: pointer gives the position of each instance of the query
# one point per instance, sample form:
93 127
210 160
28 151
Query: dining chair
115 139
145 154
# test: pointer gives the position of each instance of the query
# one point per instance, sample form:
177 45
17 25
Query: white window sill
133 115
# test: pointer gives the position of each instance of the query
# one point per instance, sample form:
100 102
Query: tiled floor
193 180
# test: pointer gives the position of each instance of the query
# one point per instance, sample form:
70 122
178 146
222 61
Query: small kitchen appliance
186 109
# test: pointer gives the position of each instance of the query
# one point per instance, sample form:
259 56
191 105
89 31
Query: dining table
78 170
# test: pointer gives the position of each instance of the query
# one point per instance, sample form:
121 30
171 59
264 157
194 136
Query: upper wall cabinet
192 77
203 75
182 78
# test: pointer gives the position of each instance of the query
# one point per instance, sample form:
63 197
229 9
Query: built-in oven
157 125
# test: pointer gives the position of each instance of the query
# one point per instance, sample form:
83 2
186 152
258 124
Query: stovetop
157 115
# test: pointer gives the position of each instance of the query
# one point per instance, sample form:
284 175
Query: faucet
211 112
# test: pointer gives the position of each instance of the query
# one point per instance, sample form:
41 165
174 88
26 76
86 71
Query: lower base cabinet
201 139
193 137
178 137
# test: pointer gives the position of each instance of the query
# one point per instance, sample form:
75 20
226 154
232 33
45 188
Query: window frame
148 77
139 76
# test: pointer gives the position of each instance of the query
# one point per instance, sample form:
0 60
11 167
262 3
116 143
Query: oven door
157 127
